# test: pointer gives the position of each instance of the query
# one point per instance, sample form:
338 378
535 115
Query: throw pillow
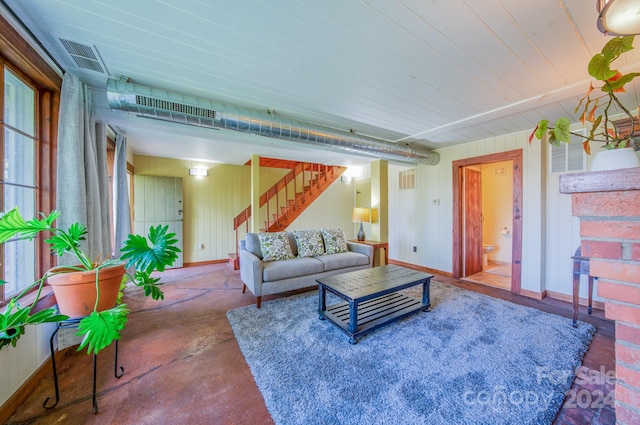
334 241
309 243
275 246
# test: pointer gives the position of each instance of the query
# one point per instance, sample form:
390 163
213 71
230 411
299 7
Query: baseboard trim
420 268
204 263
533 294
568 298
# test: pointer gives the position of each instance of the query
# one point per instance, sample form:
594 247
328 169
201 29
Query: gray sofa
273 277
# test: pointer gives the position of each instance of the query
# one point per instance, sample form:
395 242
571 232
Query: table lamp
360 214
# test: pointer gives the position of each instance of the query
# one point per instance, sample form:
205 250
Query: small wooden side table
376 245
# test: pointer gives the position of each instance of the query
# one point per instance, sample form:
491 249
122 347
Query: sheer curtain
82 187
121 194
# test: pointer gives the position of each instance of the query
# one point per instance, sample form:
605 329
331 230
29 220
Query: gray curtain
82 187
122 212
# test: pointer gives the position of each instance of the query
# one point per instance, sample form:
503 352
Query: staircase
283 202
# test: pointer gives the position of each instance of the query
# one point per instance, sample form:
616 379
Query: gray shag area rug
472 359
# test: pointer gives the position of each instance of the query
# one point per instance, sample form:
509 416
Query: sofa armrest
362 249
251 272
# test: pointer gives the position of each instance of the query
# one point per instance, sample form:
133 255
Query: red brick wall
610 236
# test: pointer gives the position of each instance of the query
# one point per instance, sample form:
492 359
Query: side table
376 245
117 371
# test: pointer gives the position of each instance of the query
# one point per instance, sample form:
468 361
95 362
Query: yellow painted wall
497 202
211 203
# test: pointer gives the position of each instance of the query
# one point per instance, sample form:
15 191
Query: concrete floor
183 365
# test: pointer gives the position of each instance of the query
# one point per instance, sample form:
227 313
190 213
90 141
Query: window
18 141
568 157
29 104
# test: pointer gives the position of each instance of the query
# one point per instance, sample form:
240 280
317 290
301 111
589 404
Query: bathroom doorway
476 238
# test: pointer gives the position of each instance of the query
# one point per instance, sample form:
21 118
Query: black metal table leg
93 396
55 371
118 371
115 364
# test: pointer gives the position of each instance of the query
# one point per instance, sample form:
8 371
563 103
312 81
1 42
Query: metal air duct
161 104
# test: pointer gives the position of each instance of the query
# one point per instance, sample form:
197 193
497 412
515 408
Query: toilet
486 248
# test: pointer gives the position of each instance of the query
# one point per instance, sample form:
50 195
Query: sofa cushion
252 244
292 243
343 260
309 243
285 269
275 246
334 241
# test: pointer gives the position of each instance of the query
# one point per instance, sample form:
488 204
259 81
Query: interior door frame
516 225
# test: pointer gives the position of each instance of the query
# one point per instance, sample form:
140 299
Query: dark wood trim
47 149
202 263
420 268
21 54
516 234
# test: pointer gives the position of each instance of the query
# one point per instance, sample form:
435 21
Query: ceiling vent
85 56
156 103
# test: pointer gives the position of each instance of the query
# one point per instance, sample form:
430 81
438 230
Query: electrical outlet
415 249
435 201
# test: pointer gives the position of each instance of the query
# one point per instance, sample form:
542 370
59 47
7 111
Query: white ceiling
437 73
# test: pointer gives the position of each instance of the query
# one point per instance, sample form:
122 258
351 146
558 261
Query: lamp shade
360 214
618 17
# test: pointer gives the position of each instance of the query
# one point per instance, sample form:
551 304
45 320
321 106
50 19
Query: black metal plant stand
117 371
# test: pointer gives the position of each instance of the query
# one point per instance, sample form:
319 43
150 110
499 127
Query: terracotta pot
76 291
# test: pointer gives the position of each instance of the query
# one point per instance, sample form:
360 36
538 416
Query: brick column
608 205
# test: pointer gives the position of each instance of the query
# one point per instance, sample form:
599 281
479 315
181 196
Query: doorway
467 216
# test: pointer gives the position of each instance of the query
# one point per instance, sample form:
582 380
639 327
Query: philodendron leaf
100 329
12 224
161 254
45 316
150 285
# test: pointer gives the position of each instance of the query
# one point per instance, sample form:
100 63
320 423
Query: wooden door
472 222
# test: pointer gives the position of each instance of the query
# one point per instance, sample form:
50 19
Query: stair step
234 260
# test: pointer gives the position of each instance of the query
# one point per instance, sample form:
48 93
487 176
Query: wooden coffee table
371 298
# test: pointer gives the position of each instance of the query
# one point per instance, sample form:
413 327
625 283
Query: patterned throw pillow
309 243
334 241
275 246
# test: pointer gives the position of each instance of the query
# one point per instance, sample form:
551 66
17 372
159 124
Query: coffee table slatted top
375 281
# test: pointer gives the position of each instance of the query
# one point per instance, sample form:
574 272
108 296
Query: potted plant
598 104
107 316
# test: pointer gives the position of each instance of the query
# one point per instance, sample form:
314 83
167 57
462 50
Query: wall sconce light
198 172
347 179
618 17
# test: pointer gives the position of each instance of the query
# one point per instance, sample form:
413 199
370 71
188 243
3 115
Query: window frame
29 64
